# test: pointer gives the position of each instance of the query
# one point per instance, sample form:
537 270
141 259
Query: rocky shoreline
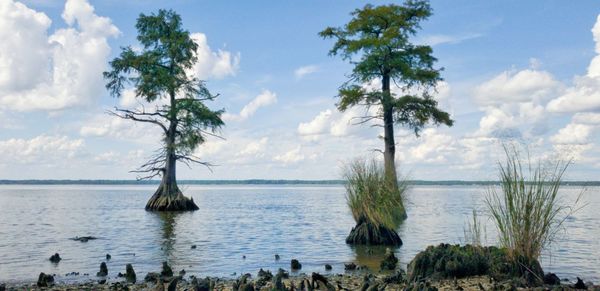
264 281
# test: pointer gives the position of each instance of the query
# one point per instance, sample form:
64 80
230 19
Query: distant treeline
259 182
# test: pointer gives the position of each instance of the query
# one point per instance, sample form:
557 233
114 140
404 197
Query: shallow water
308 223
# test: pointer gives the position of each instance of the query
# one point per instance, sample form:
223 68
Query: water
309 223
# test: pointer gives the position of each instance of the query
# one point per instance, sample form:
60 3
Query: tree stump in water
365 233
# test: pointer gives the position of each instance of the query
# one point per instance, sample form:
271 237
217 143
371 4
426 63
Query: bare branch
128 114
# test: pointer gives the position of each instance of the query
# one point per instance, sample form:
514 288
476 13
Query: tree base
368 234
177 202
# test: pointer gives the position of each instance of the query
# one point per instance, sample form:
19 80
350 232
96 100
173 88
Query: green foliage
453 261
161 70
380 36
371 197
527 210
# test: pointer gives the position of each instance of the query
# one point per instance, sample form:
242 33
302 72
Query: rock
397 278
454 261
242 284
316 278
295 265
102 281
551 279
166 270
282 273
328 267
45 280
182 273
194 247
55 258
103 270
2 287
152 277
108 257
389 261
365 233
579 284
83 238
202 285
130 274
350 267
172 285
277 257
263 278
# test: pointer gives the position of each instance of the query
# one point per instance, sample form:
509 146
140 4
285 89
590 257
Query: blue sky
513 69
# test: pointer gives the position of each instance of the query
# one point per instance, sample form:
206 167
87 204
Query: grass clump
474 230
371 197
376 203
527 210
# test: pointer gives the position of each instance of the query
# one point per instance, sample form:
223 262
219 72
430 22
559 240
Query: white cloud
584 95
522 86
291 156
573 133
305 70
437 39
52 72
316 126
254 148
212 64
265 98
43 149
587 118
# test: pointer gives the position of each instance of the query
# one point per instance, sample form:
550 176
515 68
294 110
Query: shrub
527 210
371 197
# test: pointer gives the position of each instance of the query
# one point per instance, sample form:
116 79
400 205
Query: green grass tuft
527 210
373 198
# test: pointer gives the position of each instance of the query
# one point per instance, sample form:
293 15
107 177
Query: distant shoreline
261 182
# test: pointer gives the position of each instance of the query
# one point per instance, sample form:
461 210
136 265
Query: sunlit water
309 223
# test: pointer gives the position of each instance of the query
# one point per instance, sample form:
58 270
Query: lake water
309 223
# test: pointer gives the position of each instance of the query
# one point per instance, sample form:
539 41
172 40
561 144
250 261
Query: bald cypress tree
160 71
377 42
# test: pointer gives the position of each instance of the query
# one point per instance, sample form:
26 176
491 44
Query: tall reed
527 210
474 231
371 197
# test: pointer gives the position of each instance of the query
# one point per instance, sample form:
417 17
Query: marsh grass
527 209
371 197
474 231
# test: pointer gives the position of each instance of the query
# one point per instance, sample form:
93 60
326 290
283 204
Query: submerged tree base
162 200
365 233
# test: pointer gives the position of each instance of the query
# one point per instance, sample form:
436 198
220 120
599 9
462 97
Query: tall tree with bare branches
379 36
160 74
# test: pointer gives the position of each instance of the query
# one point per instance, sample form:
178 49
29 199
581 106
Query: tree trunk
389 153
168 197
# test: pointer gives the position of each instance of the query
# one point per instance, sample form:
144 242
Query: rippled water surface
309 223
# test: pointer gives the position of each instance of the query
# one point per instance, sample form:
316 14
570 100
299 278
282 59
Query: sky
518 71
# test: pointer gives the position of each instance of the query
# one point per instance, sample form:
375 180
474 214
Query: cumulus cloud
43 149
52 72
291 156
522 86
573 133
213 64
584 95
305 70
254 148
316 126
265 98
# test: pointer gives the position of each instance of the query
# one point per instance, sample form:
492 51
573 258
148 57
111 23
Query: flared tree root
164 201
365 233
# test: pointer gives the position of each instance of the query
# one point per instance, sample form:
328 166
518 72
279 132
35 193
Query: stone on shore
103 270
55 258
389 261
108 257
45 280
130 274
551 279
166 270
295 265
328 267
350 267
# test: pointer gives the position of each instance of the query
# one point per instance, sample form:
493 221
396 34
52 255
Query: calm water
309 223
